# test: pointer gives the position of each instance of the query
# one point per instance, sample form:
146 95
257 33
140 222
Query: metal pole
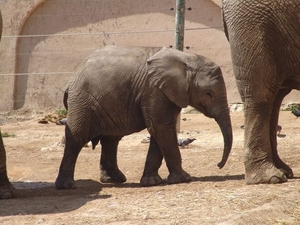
179 20
179 36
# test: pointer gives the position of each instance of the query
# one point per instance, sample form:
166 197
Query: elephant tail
224 23
65 100
1 25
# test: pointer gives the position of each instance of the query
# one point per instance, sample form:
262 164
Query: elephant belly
120 125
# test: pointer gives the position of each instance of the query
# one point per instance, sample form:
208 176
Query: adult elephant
264 37
121 90
6 189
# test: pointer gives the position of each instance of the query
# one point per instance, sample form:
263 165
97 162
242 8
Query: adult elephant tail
1 25
224 21
65 100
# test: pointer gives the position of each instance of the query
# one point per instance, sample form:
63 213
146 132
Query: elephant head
189 79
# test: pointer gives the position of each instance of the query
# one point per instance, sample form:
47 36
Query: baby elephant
117 91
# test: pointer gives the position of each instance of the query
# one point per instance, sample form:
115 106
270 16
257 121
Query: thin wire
86 0
101 13
27 74
85 34
107 33
61 73
133 12
87 50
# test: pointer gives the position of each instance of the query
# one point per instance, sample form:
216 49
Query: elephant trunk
224 122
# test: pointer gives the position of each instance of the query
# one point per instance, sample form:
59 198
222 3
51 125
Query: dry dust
213 197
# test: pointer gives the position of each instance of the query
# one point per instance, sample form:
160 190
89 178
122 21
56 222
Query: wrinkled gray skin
6 189
264 37
121 90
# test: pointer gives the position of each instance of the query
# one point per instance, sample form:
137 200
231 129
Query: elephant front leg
258 158
174 164
166 142
110 173
153 162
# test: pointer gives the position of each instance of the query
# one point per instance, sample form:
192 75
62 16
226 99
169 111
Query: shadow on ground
219 178
33 198
43 198
165 182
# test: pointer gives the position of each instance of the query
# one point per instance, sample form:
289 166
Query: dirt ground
213 197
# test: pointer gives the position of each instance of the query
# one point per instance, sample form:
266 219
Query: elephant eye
209 94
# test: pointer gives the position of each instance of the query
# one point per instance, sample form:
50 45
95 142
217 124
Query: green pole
179 20
179 36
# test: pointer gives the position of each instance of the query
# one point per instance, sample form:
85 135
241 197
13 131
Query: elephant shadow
32 198
218 178
165 182
225 178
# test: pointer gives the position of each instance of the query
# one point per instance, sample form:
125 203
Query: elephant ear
168 71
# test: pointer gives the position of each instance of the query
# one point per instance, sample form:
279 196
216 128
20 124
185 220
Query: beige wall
44 41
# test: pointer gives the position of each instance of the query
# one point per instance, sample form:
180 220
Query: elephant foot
112 176
265 173
6 191
285 169
179 177
64 183
288 172
153 180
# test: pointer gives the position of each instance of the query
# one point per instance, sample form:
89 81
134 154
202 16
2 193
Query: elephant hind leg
263 172
282 166
65 178
273 133
110 172
261 156
259 146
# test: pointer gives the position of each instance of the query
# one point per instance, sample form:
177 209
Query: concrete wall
44 41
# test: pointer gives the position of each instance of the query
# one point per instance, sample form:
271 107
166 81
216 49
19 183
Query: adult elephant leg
110 173
153 162
273 133
258 158
65 178
6 189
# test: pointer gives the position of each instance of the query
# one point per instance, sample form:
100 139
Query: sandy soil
213 197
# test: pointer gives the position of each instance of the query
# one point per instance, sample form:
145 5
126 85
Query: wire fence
103 13
107 32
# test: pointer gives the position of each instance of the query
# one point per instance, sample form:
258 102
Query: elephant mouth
204 111
208 115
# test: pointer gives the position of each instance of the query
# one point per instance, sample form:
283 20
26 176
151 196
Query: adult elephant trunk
224 122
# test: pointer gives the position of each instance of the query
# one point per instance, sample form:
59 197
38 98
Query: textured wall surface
44 41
